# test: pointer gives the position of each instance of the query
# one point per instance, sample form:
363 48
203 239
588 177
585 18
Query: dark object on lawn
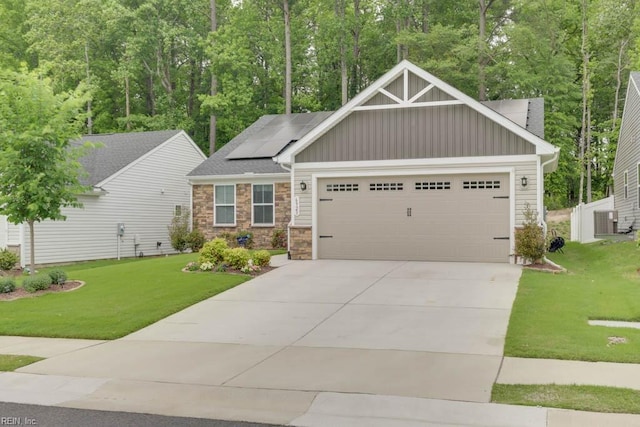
557 243
628 230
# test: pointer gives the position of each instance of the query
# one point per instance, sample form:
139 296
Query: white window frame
176 208
272 204
235 210
625 183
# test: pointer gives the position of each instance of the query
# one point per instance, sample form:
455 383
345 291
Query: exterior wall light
523 181
303 185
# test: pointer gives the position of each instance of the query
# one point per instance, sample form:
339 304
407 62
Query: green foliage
195 240
179 230
213 251
8 259
237 258
39 282
279 239
7 285
530 241
10 362
261 258
58 277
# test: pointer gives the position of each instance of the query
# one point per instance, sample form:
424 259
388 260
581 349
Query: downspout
553 159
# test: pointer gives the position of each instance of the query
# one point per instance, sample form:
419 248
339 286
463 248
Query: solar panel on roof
276 135
513 109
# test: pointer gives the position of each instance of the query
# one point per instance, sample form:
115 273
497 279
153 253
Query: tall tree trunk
482 47
620 67
88 71
585 98
127 101
214 81
32 248
589 155
425 16
340 8
356 77
287 57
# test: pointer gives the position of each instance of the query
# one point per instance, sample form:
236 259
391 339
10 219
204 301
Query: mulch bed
21 293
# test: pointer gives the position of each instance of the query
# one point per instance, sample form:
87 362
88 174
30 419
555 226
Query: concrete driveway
264 350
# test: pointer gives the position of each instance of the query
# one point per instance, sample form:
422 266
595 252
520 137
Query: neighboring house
626 169
137 179
410 169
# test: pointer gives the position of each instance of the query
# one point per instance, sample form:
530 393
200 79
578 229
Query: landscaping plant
237 258
179 230
58 277
35 283
7 285
195 240
213 251
530 241
8 259
279 239
261 258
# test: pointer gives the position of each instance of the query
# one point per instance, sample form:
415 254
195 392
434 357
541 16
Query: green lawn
119 297
549 317
582 398
10 362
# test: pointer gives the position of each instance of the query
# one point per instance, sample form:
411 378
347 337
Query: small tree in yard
179 230
39 169
530 243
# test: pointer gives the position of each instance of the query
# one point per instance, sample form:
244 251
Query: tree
40 172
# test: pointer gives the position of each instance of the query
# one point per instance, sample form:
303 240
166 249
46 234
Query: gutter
288 169
553 159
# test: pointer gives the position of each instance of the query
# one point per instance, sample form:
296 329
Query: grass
582 398
119 297
550 313
562 228
10 362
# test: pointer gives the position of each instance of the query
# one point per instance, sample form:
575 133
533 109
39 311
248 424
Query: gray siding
142 197
627 158
413 133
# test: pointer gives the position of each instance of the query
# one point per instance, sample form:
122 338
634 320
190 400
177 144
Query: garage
420 218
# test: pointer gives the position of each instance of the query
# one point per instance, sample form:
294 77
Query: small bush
39 282
58 277
261 258
7 285
179 230
213 251
530 242
193 266
237 258
230 238
195 240
279 239
8 259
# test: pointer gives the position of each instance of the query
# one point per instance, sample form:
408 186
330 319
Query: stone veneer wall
203 212
301 241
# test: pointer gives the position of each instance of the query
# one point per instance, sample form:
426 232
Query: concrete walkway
316 344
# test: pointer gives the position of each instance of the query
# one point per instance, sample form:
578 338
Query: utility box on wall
120 230
605 222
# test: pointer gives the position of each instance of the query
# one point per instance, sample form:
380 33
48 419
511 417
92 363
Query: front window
263 204
225 205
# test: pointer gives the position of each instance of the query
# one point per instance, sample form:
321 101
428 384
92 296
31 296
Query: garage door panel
448 218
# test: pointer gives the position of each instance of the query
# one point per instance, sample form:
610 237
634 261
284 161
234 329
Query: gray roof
220 164
635 76
528 113
117 150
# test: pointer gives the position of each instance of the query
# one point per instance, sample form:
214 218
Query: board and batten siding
627 158
524 196
143 197
414 133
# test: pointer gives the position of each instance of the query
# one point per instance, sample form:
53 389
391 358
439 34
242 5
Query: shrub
8 259
246 237
230 238
195 240
193 266
206 266
530 242
179 230
213 251
261 258
39 282
237 258
58 277
279 239
7 284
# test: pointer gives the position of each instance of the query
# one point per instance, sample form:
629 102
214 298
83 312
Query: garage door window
263 204
225 205
385 186
433 185
342 187
481 185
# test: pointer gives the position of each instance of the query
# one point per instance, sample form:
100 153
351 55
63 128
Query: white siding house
138 180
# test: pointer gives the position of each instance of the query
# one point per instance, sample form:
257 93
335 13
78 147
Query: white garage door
422 218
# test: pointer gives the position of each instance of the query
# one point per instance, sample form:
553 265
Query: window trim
625 183
272 204
177 207
235 208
